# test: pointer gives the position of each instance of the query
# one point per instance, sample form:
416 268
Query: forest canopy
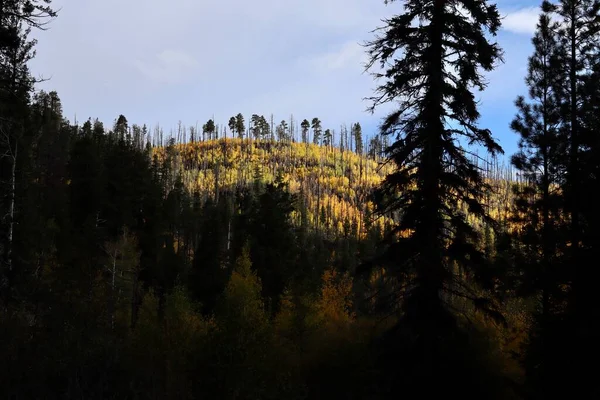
255 259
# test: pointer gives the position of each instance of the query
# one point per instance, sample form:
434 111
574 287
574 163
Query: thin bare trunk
11 209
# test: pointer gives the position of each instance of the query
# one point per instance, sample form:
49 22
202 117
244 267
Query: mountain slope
333 186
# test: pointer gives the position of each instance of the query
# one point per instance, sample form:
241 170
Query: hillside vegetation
251 261
333 187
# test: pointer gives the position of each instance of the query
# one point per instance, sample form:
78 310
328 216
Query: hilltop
332 185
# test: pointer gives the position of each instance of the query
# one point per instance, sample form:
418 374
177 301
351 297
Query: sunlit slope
333 185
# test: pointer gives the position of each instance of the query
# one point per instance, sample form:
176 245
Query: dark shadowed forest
262 259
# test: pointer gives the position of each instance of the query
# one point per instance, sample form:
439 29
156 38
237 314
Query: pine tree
539 203
327 138
579 37
578 34
232 125
357 135
209 129
17 18
305 126
316 127
431 56
240 126
265 129
282 131
255 127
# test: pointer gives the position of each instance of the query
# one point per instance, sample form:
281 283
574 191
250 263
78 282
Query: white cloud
169 66
521 21
347 55
194 59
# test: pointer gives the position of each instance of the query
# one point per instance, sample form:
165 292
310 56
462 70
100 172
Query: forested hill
333 186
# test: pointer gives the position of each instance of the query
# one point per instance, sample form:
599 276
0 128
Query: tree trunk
11 209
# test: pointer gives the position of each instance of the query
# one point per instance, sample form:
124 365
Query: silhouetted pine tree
431 57
539 199
579 37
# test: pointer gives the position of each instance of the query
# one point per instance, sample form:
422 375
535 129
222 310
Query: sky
159 62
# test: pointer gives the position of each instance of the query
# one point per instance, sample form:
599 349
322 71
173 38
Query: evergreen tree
240 126
305 127
209 129
358 140
316 128
283 131
255 127
17 18
265 130
578 35
232 125
431 56
121 127
273 247
539 202
327 137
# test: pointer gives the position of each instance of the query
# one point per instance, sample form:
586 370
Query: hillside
333 186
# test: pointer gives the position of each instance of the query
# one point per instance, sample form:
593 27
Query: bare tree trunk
11 208
113 302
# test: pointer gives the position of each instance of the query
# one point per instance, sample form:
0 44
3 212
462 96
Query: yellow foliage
335 303
339 182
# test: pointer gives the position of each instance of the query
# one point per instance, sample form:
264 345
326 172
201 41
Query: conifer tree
17 18
255 126
579 37
539 200
432 56
357 135
327 138
316 127
232 125
282 131
305 127
240 126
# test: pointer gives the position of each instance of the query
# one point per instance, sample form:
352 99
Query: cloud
522 21
344 56
169 67
195 59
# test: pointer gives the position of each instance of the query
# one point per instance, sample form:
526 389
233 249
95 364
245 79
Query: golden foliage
331 182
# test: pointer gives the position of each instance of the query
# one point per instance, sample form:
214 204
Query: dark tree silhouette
539 200
431 57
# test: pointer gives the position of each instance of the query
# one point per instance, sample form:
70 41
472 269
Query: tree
282 131
232 125
539 202
265 130
255 126
122 268
431 56
327 138
193 134
17 18
240 126
209 129
305 127
274 246
578 35
121 127
316 127
357 135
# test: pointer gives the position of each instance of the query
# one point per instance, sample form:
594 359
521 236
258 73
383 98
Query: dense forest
254 259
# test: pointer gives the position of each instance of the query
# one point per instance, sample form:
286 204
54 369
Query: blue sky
161 62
